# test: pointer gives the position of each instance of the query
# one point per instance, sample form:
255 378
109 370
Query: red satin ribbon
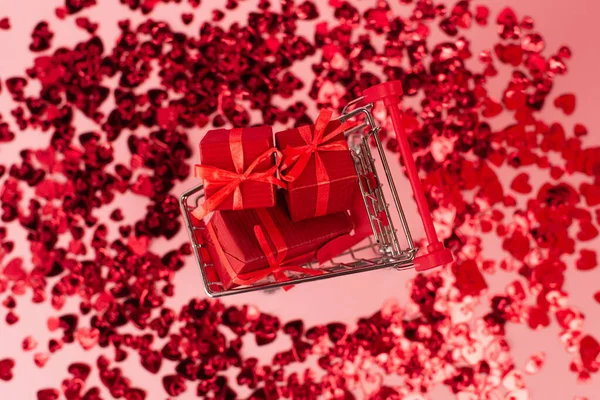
276 265
295 159
231 180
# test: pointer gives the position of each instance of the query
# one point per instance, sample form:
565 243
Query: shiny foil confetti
154 84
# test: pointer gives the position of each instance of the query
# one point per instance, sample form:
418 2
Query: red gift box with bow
249 245
318 168
238 167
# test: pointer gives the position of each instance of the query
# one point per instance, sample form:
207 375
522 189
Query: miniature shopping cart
384 249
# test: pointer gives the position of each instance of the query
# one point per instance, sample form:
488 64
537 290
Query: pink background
572 22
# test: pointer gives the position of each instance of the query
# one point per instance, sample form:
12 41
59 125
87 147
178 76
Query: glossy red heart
566 103
521 184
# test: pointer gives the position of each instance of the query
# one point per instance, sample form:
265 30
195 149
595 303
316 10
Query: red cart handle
390 93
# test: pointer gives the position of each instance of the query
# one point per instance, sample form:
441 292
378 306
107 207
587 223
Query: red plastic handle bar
390 93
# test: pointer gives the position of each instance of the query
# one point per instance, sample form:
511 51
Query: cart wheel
433 259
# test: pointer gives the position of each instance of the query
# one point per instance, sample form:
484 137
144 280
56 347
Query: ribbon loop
231 181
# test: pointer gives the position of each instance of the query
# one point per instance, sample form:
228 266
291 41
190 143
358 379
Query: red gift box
318 168
238 167
248 245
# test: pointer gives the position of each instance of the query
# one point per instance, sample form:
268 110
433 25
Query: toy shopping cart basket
383 249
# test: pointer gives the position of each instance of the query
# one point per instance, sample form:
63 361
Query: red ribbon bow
231 180
295 159
276 265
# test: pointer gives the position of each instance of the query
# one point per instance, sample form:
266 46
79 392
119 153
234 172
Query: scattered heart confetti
218 74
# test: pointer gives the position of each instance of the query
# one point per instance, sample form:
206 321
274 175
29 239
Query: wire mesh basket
384 249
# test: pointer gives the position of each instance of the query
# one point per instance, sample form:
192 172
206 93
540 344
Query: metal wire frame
383 250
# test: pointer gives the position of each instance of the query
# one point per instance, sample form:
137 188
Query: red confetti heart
580 130
139 245
87 337
29 343
491 108
14 270
53 324
521 184
538 318
589 350
187 18
48 394
481 15
587 231
533 43
5 23
6 366
174 385
80 370
587 260
566 103
40 359
556 172
591 194
509 54
152 361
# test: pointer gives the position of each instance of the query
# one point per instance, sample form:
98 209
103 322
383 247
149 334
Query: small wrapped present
318 168
239 169
247 246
